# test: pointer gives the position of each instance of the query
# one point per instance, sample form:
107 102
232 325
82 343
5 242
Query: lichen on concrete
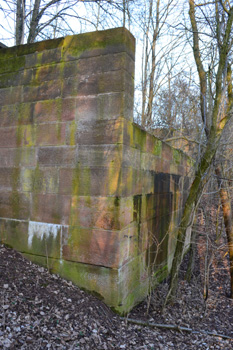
89 192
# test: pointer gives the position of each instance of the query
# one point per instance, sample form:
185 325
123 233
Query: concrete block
10 95
14 205
39 180
90 181
108 213
111 106
167 152
14 233
13 79
102 107
45 90
6 178
101 247
131 157
38 57
44 239
51 134
24 114
46 73
139 138
115 81
11 157
100 132
33 237
47 111
98 44
10 79
12 64
68 109
58 110
106 63
56 156
100 155
8 115
86 108
50 208
8 137
25 135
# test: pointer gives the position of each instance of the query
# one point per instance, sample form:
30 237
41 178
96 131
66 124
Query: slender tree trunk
189 210
191 261
152 74
213 133
19 28
34 22
123 12
145 67
224 190
227 215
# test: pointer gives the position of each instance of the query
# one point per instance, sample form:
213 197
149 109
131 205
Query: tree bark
145 67
153 63
19 27
213 134
227 216
189 210
34 22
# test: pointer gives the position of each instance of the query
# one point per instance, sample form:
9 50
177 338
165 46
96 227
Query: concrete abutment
83 190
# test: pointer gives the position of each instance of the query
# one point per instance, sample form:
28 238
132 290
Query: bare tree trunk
227 215
224 190
19 28
192 250
189 210
152 74
34 22
145 67
213 134
123 12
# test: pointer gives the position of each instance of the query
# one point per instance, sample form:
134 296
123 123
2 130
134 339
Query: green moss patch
157 148
11 64
177 156
77 45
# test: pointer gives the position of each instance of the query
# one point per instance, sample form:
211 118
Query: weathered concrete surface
83 190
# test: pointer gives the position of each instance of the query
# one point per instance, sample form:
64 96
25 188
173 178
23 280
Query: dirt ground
39 310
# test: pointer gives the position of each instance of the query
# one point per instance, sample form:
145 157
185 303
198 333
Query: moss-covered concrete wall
83 190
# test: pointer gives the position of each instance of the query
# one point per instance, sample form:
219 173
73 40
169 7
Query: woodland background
183 94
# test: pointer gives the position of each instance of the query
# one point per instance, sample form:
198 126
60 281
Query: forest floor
39 310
